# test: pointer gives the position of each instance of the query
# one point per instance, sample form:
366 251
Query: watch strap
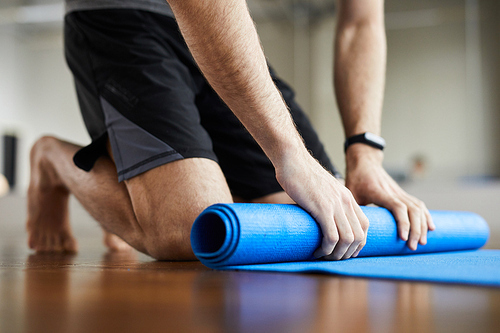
366 138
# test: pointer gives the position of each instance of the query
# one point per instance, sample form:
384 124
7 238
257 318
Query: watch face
375 138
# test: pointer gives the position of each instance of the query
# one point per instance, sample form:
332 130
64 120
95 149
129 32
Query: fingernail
414 244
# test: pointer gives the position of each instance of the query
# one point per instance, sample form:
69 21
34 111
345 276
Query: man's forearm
224 42
360 63
359 83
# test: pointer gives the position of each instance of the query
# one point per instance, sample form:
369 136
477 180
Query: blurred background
441 115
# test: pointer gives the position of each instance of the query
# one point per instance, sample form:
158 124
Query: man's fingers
360 234
415 226
363 220
330 237
344 230
430 222
424 226
423 220
400 212
425 217
364 223
360 247
409 216
352 249
327 247
350 232
346 236
357 230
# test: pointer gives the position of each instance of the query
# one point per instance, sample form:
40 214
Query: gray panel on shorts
135 151
156 6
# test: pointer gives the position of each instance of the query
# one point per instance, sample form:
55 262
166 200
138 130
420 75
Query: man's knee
167 200
169 239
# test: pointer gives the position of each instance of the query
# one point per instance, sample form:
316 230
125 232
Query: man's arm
222 38
359 77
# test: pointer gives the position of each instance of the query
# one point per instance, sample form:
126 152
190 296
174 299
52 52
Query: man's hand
370 183
343 223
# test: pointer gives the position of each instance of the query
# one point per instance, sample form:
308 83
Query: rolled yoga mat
283 238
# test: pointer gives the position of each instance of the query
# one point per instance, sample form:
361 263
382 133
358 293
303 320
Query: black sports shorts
138 85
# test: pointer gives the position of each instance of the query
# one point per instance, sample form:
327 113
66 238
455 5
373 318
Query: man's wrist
359 154
282 145
291 152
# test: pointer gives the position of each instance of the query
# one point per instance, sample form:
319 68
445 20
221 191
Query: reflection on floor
105 292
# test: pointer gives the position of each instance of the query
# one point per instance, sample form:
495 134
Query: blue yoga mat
283 238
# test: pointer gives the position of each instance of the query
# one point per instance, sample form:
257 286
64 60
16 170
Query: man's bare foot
48 222
115 243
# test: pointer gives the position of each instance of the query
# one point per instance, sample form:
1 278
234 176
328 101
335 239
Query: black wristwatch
367 138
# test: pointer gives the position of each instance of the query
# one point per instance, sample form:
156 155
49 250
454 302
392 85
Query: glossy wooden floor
96 291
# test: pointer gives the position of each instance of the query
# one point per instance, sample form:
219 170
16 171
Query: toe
57 244
32 240
69 244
